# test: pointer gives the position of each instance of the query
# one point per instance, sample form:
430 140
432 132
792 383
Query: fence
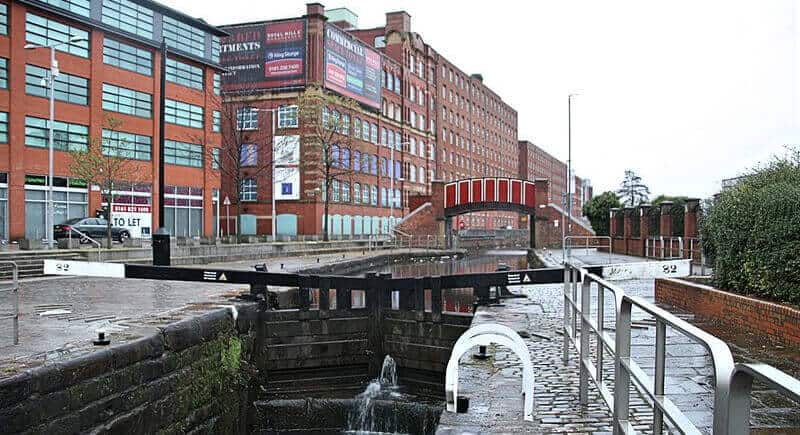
670 248
13 288
731 383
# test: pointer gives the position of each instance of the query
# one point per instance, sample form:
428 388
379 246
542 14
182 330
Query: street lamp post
568 229
50 79
274 113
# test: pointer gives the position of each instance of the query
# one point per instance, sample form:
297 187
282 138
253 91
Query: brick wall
187 377
777 323
422 222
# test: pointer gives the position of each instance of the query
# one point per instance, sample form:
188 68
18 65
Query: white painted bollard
484 335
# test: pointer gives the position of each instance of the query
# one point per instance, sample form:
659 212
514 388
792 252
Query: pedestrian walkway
59 316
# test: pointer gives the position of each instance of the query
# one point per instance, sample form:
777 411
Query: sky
685 93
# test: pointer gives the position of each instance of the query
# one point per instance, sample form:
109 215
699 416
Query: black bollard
101 339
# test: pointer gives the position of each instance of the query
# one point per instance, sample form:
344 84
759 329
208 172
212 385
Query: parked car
92 227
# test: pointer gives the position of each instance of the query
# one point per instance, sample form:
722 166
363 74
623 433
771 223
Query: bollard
462 404
481 353
281 265
101 339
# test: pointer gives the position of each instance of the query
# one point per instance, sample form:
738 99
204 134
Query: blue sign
286 188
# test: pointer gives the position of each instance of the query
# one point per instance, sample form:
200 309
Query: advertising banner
137 219
351 68
264 56
286 170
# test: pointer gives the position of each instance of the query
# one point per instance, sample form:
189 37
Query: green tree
325 119
105 166
633 191
598 210
752 231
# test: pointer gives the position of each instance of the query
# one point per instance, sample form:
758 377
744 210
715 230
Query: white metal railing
86 236
741 388
589 242
670 248
14 289
731 383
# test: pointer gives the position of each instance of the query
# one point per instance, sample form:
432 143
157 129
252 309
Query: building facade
535 162
419 118
111 71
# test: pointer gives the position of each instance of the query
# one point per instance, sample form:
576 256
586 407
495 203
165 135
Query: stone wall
777 323
188 376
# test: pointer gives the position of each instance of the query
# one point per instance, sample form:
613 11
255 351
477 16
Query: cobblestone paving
493 385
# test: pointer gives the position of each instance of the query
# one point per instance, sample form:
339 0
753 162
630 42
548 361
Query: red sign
264 56
461 225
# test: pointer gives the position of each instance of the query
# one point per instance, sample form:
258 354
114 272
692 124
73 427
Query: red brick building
535 162
428 116
115 71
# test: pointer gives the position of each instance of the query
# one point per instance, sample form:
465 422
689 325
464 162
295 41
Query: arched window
335 156
421 174
356 160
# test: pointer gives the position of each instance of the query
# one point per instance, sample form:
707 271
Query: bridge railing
731 386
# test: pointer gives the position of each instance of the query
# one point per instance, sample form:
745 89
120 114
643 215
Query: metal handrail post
567 309
583 381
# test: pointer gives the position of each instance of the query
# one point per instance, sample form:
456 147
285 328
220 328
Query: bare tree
632 191
247 150
105 166
325 122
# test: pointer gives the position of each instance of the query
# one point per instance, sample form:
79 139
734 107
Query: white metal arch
484 335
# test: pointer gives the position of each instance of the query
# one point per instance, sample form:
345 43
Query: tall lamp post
274 112
50 80
568 228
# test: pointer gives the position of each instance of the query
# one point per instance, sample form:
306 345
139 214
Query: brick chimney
399 21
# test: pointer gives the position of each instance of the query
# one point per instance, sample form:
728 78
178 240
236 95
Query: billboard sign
264 56
351 68
286 170
137 219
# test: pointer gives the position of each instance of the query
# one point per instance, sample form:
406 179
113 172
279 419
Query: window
374 134
3 73
345 191
365 194
127 57
247 118
383 136
80 7
335 190
184 37
412 145
182 153
356 160
3 127
365 130
217 83
248 192
180 113
379 41
373 164
287 117
127 145
69 88
184 74
344 127
356 193
216 121
215 156
3 19
384 202
412 173
357 128
421 174
374 195
248 155
215 48
43 31
128 101
129 17
384 169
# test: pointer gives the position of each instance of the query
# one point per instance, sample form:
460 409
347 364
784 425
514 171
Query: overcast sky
685 93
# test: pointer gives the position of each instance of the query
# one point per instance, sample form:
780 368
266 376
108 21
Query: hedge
752 233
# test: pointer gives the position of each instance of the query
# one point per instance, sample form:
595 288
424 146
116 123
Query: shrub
752 232
598 209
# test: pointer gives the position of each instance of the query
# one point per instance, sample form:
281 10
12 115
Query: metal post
660 371
15 283
274 204
583 380
601 313
567 309
622 378
50 221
